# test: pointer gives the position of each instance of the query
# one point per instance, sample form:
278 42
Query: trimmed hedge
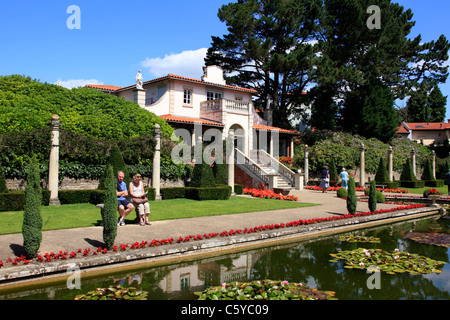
434 183
15 200
412 184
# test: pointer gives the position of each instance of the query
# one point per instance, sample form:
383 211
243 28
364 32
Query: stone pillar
391 164
273 181
433 163
230 161
291 149
413 161
139 97
306 164
362 179
298 178
53 166
156 178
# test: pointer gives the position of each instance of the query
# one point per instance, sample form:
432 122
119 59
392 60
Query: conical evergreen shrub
351 198
382 175
118 164
372 197
407 172
202 176
110 209
32 220
334 176
427 172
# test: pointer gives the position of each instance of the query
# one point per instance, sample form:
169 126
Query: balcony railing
225 105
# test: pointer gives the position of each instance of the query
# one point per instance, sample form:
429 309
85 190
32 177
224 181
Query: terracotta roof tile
104 87
172 118
269 128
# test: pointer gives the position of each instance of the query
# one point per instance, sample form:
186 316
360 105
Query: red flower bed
316 188
268 194
62 255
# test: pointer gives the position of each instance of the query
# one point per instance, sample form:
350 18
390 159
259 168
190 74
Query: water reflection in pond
306 262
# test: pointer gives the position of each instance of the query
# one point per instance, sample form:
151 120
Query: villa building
186 102
427 133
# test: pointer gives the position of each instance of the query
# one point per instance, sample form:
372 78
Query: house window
187 97
185 282
213 95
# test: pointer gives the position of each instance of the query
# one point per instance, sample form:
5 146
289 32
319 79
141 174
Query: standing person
344 177
138 197
125 206
325 182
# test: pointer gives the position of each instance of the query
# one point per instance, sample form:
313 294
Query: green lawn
87 215
443 190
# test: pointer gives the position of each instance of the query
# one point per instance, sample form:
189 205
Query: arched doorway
239 137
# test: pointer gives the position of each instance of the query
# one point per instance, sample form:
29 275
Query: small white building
184 102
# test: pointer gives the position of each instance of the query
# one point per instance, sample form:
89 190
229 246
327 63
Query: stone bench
102 208
382 186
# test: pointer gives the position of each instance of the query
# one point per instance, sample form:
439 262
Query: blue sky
118 38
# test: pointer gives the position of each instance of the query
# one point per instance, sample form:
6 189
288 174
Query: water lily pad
389 262
437 239
265 290
356 238
114 293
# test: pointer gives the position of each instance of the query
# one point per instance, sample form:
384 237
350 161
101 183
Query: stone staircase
266 169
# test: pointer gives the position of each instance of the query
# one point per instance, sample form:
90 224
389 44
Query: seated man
125 206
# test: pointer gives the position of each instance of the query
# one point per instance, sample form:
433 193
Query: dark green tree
372 197
269 46
427 107
369 111
351 198
32 220
354 55
110 209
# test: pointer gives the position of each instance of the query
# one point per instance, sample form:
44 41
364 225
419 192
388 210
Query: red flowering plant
268 194
287 161
431 192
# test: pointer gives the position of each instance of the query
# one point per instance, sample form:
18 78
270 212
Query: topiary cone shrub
32 220
110 209
351 198
372 197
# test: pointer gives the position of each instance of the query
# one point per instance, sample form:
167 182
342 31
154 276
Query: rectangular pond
306 262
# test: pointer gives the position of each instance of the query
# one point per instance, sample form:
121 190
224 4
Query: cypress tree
351 198
32 220
110 209
372 197
334 176
118 164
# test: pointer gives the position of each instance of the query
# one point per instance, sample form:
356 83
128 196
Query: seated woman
137 194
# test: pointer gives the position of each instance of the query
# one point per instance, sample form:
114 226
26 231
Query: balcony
224 105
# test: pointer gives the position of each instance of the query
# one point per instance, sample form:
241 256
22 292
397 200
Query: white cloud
187 63
75 83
